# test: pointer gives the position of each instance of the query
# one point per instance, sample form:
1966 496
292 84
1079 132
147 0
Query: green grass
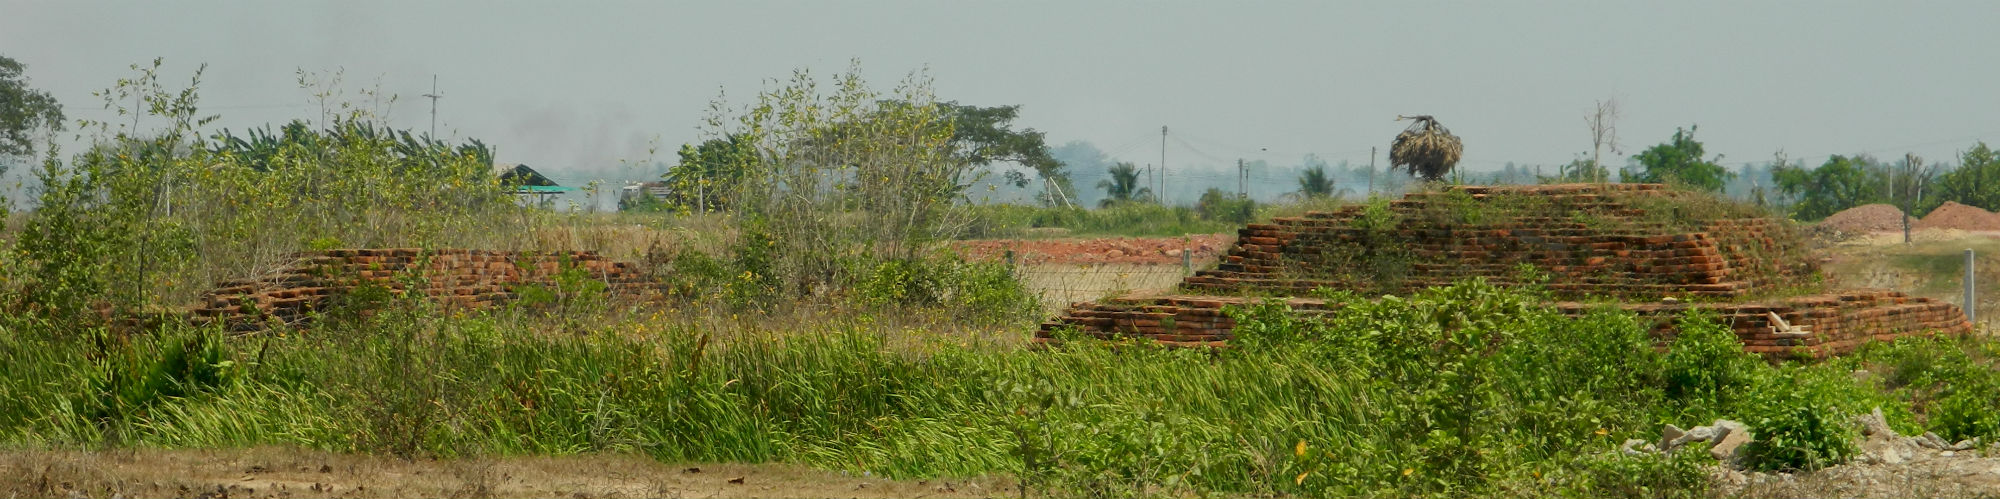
1464 391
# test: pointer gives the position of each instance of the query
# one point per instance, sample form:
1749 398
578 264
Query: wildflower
1408 471
1300 450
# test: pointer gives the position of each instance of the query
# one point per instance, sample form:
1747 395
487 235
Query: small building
525 181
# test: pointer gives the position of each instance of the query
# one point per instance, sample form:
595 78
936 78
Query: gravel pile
1957 216
1866 218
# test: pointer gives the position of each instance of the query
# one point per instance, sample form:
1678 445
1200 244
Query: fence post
1187 261
1971 298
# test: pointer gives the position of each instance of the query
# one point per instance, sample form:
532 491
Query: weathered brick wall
1833 324
456 278
1634 242
1591 240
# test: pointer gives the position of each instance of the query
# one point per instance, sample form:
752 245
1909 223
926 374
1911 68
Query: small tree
1908 183
1976 182
1680 160
1314 183
1842 182
23 111
1123 186
709 175
1603 134
837 181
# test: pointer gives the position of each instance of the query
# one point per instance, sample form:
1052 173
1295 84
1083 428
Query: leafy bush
1951 381
1799 425
1707 370
1678 475
1220 206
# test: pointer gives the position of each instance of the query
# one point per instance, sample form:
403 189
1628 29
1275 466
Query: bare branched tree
1603 135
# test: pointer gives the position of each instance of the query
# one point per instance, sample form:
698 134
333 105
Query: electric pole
1241 178
1371 171
1151 182
1163 163
434 96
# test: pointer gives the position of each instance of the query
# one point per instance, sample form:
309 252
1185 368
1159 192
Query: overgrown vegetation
1469 390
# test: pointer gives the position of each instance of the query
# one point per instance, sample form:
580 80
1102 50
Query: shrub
1799 425
1706 370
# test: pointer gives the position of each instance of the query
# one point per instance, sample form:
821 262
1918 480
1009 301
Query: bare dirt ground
293 473
1201 249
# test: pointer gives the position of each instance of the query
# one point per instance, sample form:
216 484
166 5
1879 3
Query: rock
1114 253
1670 434
1932 441
1873 424
1696 434
1635 447
1732 438
1968 444
1947 453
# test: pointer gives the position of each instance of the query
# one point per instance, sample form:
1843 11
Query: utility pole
434 96
1163 162
1242 191
1150 181
1971 299
1371 171
1910 162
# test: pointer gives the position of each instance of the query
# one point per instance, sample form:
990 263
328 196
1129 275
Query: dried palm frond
1427 148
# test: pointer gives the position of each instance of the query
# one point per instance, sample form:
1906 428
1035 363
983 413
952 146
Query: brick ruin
1639 247
455 278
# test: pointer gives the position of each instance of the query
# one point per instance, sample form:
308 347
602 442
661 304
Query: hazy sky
575 87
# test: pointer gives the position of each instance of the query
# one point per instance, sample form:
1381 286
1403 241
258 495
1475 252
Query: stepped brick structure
1610 240
1641 246
457 278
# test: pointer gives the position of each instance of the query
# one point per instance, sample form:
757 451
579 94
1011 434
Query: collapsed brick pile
456 278
1637 243
1819 325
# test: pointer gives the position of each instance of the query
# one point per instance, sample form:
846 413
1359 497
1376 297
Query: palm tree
1314 184
1123 186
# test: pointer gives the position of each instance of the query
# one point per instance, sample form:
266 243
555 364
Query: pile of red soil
1867 218
1153 250
1957 216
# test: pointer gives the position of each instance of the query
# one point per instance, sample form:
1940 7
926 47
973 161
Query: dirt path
291 473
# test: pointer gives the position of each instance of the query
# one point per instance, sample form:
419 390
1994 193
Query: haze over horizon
578 89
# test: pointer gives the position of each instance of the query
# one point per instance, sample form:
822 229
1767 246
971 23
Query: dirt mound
1957 216
1153 250
1866 218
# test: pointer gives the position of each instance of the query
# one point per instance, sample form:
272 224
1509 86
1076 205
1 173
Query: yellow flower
1408 471
1301 480
1300 450
1602 432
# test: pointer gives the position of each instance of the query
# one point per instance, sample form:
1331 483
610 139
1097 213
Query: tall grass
1467 390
